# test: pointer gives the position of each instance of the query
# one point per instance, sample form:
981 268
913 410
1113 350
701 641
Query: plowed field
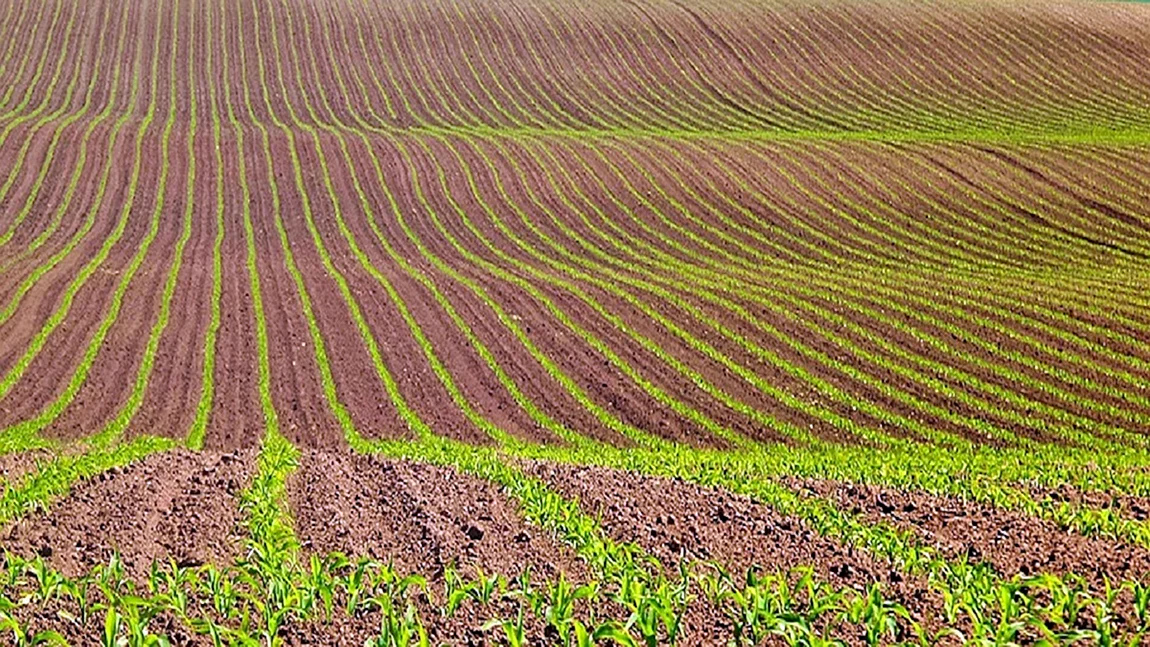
353 322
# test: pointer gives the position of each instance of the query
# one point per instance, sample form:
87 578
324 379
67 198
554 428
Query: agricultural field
618 322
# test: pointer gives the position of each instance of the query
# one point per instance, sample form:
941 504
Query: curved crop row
648 224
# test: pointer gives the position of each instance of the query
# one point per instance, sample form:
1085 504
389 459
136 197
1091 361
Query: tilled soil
180 505
1128 505
674 520
15 466
1011 542
419 517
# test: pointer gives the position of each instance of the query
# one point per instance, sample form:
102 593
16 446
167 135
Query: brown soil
297 392
179 505
1012 542
15 466
401 353
421 518
42 298
470 373
234 422
1128 505
176 382
674 520
112 376
604 384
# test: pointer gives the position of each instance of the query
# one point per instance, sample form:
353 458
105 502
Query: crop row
273 592
555 232
723 306
654 66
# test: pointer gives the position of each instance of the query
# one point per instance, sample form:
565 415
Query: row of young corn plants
406 412
472 100
842 86
33 426
550 425
480 76
25 434
57 219
761 302
251 602
829 282
221 605
1022 96
1022 230
903 239
37 25
53 117
507 271
70 191
1045 105
267 406
488 33
1005 110
986 206
986 607
114 430
993 478
271 589
636 110
1024 196
30 84
198 430
984 107
656 599
919 115
1097 219
483 424
608 420
426 102
229 605
1073 249
1119 167
434 79
268 590
458 398
55 477
12 20
105 450
761 353
1063 356
612 287
741 312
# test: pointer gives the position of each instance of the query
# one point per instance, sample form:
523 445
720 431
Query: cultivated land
351 322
